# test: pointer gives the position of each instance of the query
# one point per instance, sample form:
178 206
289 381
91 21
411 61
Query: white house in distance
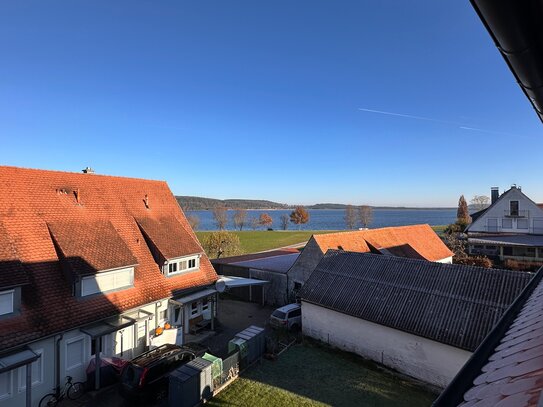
90 266
421 318
510 228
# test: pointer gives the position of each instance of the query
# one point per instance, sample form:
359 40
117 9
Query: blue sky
262 99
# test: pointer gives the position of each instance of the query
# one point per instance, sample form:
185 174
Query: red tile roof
169 237
33 201
414 241
12 272
81 246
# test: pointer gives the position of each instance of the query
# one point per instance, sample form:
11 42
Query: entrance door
141 337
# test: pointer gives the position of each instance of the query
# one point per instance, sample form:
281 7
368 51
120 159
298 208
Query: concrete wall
430 361
276 291
75 355
498 211
304 264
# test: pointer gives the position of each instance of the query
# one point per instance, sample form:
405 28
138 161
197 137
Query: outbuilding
269 267
418 317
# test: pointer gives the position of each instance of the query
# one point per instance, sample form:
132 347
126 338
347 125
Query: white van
288 317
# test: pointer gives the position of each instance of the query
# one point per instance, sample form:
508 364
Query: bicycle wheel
76 390
49 400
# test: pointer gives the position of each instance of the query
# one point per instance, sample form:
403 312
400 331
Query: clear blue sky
262 99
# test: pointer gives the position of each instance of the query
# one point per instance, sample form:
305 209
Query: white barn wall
427 360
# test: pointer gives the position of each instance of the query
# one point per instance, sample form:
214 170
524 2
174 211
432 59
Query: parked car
288 317
146 377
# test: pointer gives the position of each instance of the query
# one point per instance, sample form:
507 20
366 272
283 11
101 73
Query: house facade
510 228
421 318
414 241
90 266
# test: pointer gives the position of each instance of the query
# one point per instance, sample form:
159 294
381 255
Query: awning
232 282
17 359
107 326
193 297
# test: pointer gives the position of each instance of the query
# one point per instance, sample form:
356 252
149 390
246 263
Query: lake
333 219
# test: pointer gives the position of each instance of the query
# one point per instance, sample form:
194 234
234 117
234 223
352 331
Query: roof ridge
39 170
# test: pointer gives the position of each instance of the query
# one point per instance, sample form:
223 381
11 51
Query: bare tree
194 221
253 221
220 215
365 213
240 218
284 221
350 217
480 202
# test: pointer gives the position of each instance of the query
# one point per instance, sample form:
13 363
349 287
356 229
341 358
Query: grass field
258 241
314 375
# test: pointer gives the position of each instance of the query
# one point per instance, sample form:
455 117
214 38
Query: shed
271 267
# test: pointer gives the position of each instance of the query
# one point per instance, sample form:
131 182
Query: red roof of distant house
40 209
414 241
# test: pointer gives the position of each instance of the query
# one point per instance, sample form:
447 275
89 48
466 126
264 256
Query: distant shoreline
396 208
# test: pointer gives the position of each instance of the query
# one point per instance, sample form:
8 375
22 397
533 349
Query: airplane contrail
462 126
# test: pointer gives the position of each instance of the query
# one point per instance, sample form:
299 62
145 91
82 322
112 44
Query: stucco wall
430 361
76 367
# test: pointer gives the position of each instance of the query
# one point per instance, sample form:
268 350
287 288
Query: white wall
446 260
535 218
74 364
430 361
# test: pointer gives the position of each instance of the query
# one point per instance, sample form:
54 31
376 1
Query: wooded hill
194 203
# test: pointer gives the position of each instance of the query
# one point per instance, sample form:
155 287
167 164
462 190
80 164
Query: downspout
57 364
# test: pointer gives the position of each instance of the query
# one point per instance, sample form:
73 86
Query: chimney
88 170
494 194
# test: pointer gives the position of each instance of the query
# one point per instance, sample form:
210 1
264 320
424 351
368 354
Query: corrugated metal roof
278 264
449 303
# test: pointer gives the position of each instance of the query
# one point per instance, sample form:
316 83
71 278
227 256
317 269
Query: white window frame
8 292
22 372
83 352
95 278
9 394
179 269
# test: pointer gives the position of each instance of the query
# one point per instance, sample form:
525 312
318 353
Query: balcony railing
516 214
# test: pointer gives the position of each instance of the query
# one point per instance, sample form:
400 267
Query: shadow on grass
324 375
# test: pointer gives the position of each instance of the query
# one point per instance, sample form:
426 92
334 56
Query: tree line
241 219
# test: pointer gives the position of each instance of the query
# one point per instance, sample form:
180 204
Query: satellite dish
220 285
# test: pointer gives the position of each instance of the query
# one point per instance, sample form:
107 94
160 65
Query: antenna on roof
88 170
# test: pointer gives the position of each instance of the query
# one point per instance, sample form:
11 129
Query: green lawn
258 241
314 375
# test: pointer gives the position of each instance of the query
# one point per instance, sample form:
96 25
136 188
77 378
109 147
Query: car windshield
279 314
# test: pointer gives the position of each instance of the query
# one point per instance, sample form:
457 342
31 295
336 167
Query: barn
421 318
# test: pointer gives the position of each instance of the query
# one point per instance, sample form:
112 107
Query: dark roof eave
513 25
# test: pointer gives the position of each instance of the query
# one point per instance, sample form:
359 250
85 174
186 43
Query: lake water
333 219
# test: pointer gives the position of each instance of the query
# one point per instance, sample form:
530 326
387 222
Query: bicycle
73 391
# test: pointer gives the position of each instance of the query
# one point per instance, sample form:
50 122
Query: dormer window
182 265
107 281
